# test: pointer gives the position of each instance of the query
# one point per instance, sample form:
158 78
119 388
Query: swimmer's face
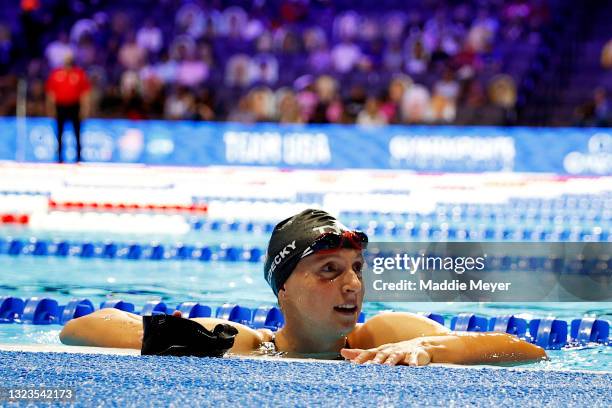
324 293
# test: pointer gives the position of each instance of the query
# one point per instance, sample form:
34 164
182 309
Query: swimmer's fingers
350 354
394 358
417 357
380 357
358 356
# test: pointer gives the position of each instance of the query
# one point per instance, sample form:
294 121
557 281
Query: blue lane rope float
228 253
589 330
469 322
192 309
549 333
11 308
40 311
118 304
74 309
509 324
130 251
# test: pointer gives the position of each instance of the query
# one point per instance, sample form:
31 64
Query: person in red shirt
67 91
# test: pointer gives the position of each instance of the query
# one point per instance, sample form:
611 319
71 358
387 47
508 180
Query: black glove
166 335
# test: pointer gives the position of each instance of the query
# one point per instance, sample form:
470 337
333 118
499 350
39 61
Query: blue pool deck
127 379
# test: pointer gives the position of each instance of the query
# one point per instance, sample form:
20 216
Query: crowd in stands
291 61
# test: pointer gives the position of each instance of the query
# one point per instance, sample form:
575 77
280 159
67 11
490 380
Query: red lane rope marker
14 219
127 207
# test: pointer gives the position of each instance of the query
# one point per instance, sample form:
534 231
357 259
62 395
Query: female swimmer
314 266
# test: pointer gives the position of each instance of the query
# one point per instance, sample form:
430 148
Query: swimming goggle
331 241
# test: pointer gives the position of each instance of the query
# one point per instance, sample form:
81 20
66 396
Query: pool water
215 283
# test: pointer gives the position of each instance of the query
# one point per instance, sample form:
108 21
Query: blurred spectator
238 71
110 102
180 105
395 92
606 55
8 90
328 108
264 69
439 56
447 86
345 56
234 22
149 37
7 52
287 107
307 98
86 52
191 72
346 25
83 27
36 104
242 112
416 105
286 42
120 24
393 58
416 58
190 20
314 38
355 103
476 109
502 93
166 69
315 44
57 51
393 26
371 114
205 105
595 112
264 43
131 55
262 104
444 99
67 89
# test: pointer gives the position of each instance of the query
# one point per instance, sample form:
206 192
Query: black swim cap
289 241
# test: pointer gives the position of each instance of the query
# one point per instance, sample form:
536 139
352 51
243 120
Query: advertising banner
571 151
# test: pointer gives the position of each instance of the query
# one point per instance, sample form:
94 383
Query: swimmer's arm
392 328
104 328
116 328
413 336
455 348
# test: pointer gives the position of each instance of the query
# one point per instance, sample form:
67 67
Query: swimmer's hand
454 348
415 352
